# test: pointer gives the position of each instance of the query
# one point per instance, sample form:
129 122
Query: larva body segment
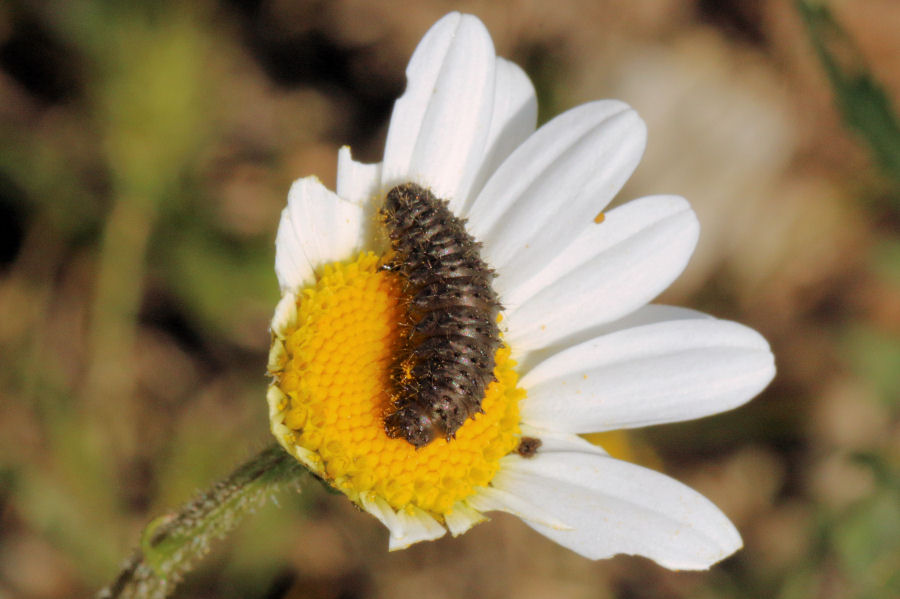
447 359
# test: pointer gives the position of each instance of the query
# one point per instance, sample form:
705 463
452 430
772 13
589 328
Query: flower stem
173 543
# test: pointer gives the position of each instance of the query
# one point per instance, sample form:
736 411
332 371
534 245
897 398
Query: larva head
393 200
398 200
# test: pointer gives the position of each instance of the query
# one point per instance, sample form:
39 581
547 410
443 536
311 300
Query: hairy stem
173 543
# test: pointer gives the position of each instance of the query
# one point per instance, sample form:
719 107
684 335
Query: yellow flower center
332 388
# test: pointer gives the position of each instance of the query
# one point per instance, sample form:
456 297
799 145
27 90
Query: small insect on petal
528 447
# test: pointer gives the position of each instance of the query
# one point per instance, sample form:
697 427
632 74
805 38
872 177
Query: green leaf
861 99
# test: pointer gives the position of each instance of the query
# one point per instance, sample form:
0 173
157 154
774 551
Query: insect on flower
447 360
455 316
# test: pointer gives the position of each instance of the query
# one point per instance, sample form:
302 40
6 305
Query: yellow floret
332 388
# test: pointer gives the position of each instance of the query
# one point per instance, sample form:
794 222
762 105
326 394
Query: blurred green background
145 154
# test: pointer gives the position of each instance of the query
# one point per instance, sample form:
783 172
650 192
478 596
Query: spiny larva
447 358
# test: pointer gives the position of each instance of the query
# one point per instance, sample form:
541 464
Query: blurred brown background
145 155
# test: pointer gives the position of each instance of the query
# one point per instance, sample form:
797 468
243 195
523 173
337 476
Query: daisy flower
581 351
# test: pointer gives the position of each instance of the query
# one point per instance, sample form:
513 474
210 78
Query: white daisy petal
651 374
489 499
440 124
513 119
617 226
616 507
291 264
462 518
422 74
357 182
640 264
285 317
649 314
417 526
652 313
406 527
316 228
379 508
552 186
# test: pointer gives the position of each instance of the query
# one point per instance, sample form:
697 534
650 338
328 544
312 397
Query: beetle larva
447 359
